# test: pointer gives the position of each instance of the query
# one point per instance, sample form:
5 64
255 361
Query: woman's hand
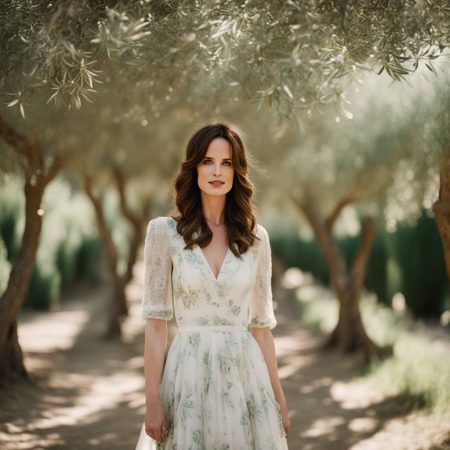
155 423
285 418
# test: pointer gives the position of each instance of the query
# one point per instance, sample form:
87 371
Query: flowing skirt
216 393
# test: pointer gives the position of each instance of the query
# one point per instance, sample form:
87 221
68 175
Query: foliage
420 367
290 55
188 59
55 47
420 364
296 53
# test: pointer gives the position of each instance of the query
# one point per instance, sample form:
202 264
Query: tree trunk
118 305
349 334
441 209
36 179
118 309
12 367
137 222
11 357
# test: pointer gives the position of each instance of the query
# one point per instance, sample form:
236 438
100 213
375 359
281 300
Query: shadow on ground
330 407
89 393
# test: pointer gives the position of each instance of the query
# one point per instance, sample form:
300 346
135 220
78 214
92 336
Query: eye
228 163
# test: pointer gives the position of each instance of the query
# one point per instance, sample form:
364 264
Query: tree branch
332 255
15 139
343 202
359 265
120 179
101 223
55 167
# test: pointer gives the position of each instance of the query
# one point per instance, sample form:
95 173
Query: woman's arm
264 338
154 353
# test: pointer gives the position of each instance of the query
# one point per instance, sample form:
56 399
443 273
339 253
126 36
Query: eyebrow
224 159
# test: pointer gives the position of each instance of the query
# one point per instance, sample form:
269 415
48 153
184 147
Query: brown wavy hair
239 216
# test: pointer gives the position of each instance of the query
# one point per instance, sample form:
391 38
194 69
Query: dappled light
89 383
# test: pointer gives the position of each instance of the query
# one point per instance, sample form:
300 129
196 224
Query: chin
215 193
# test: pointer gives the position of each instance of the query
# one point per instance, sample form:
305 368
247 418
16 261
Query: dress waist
212 328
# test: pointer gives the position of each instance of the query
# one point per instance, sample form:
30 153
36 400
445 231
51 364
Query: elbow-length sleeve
261 305
157 296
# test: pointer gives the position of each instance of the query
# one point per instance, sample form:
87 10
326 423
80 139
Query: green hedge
418 252
69 247
297 252
410 261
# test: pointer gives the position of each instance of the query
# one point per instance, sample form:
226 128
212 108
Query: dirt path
89 392
332 408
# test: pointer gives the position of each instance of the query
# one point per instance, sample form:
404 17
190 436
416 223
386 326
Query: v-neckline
209 267
206 261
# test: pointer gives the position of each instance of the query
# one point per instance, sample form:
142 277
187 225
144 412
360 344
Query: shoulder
161 220
261 232
158 225
264 240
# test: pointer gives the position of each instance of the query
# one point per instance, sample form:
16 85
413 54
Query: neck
214 210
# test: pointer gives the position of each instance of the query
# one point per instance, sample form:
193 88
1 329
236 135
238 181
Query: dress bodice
180 280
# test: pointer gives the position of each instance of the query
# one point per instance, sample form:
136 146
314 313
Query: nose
217 169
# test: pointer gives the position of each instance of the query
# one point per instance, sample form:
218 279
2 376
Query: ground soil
87 393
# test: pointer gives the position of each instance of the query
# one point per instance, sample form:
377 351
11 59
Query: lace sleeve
261 306
157 296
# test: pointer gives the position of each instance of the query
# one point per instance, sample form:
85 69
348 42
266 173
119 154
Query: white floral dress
215 387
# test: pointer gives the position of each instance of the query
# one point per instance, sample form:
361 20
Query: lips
216 183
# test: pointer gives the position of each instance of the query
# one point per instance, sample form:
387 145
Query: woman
219 386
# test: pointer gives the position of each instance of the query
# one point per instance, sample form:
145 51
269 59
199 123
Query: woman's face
216 166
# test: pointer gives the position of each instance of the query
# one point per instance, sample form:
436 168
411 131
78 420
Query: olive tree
382 164
50 52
